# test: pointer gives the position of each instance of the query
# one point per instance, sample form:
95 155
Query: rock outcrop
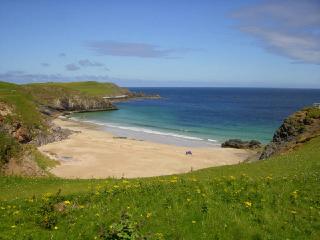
81 104
14 128
237 143
295 130
53 134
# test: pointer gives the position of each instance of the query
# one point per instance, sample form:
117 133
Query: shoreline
93 152
151 134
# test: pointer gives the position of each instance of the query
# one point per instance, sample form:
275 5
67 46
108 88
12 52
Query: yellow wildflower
188 199
294 194
67 202
193 221
56 228
248 204
149 215
269 178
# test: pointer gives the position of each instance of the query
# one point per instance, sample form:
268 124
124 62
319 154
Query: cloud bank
44 64
24 77
289 28
84 63
130 49
72 67
88 63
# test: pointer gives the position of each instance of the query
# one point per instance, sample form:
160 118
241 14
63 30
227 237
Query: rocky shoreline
297 129
66 106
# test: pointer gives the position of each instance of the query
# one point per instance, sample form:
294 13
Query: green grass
276 198
43 161
90 88
22 104
313 112
9 148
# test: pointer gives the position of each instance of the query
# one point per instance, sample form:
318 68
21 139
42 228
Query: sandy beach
95 153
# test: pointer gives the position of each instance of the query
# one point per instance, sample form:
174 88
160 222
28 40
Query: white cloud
288 28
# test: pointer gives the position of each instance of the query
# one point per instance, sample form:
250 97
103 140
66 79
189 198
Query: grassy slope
94 89
21 97
24 109
272 199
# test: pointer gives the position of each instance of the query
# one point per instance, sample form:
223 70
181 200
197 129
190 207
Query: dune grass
276 198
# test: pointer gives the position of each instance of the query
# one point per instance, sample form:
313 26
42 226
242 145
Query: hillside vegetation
52 90
276 198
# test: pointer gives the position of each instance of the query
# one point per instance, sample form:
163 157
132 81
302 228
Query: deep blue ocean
204 116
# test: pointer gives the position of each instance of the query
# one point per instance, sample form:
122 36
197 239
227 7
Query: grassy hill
21 103
276 198
45 92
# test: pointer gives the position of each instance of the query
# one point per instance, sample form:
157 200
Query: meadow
278 198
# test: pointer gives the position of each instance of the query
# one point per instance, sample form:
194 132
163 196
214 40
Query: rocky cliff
295 130
78 103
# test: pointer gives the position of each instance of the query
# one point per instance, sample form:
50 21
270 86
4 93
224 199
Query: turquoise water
203 116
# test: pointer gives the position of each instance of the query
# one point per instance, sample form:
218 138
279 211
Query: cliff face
12 126
81 104
295 130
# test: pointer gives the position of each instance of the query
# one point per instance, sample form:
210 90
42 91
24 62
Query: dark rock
81 104
237 143
55 133
296 129
47 111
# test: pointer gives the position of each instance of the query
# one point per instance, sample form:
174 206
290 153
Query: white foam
144 130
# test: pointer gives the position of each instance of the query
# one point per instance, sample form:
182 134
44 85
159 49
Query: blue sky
162 43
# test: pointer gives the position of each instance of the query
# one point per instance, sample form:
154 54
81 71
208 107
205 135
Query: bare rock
239 144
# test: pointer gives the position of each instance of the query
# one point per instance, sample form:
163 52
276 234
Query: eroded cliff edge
294 131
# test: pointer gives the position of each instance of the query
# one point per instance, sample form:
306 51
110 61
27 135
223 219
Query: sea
202 117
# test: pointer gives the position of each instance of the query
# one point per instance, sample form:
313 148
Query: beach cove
92 152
